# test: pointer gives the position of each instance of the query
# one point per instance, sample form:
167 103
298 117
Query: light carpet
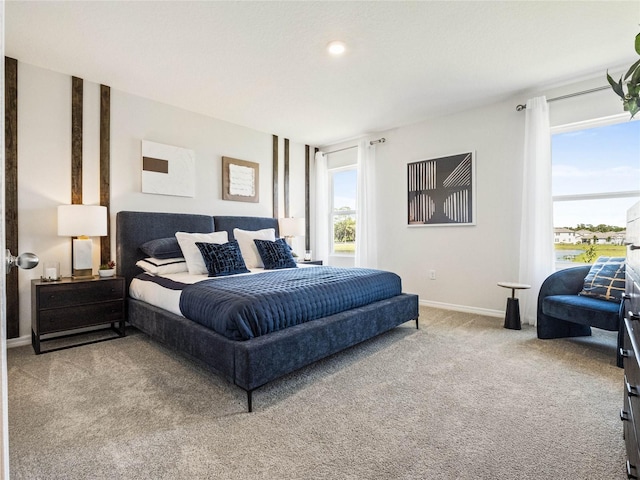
461 398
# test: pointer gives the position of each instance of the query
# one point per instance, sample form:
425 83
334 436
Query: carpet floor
461 398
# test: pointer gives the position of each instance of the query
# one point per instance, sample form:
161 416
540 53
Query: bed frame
252 363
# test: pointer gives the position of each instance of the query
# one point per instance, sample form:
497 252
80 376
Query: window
343 209
595 179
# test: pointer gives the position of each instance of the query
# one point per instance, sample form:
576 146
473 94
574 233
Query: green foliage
593 251
630 99
602 228
344 230
590 254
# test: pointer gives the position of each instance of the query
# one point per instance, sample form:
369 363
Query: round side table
512 316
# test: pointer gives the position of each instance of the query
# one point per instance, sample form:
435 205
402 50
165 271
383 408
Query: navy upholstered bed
253 362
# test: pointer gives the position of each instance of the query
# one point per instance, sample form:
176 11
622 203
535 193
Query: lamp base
81 274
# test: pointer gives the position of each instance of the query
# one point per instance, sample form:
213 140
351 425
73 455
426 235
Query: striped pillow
605 279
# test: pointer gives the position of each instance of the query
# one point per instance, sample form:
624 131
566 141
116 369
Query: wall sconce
82 221
291 227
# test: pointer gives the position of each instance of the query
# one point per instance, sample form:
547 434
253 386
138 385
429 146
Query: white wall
44 164
468 260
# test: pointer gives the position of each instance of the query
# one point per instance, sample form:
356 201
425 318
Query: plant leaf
617 87
631 69
638 44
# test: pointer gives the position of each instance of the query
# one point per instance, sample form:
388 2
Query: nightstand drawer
56 320
62 296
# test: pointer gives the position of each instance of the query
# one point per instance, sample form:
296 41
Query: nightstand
310 262
70 304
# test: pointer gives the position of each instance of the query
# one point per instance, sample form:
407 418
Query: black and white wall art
441 191
168 170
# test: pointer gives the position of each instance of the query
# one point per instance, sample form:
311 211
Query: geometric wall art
240 180
168 170
441 191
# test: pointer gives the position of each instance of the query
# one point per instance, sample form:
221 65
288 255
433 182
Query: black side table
512 316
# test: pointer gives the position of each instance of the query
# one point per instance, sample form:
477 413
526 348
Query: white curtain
366 235
322 209
536 228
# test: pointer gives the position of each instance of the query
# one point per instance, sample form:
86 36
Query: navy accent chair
564 313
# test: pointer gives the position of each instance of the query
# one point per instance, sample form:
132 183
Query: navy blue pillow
605 279
222 259
276 254
162 248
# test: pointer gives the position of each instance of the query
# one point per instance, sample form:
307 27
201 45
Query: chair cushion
605 279
583 310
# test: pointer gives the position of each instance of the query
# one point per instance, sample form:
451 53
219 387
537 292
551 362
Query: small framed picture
240 180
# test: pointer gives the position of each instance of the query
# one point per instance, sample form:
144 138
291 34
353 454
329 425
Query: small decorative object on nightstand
107 269
50 272
311 262
69 304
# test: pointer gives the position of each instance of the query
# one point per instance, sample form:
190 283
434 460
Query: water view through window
596 178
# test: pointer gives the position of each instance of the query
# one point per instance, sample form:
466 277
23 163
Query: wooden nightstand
310 262
70 304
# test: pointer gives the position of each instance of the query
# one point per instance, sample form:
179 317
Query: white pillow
162 266
192 255
248 247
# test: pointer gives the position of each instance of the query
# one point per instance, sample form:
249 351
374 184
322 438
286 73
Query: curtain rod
521 107
372 142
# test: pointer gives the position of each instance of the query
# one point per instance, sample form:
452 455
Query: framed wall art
168 170
441 191
240 180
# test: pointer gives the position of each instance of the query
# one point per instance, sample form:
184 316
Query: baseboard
19 341
463 308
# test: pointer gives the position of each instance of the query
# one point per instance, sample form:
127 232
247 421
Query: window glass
343 208
596 178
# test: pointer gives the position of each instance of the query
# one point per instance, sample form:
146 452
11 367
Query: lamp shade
291 227
82 220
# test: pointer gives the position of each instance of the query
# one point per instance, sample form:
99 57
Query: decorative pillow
276 254
162 248
249 250
163 266
605 279
191 253
222 259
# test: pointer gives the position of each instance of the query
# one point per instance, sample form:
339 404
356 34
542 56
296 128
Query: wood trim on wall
105 172
11 190
275 176
76 140
307 223
286 178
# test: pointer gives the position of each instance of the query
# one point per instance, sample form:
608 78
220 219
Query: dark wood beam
76 140
11 190
105 172
275 176
307 224
286 178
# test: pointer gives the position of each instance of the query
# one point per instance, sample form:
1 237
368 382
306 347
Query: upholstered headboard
135 228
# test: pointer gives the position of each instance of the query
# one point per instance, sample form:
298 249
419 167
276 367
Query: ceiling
264 65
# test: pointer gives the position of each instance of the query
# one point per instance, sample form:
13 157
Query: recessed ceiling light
336 48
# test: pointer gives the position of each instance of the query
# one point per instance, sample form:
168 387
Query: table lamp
291 227
82 222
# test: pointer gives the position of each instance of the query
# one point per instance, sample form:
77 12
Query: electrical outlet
432 274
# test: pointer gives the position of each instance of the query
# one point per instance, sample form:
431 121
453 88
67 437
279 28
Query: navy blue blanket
248 306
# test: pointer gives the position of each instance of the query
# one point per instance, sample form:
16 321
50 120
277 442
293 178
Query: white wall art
240 180
168 170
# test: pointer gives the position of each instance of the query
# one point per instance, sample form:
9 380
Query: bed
253 362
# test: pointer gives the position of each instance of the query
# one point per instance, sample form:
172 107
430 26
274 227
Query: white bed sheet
167 299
